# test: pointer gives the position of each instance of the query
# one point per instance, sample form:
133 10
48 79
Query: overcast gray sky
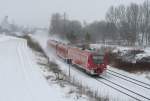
38 12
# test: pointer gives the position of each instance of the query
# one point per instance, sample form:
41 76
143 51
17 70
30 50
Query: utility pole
147 22
69 61
148 18
69 70
64 23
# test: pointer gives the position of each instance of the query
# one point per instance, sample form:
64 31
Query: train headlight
88 65
91 71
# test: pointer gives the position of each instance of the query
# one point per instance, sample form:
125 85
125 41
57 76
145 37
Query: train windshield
98 59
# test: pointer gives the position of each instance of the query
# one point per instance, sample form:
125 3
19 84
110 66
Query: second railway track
123 89
129 79
136 89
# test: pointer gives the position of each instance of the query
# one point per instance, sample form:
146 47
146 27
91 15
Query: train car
93 62
62 51
52 44
58 48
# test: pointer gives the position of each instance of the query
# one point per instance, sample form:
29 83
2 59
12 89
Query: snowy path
20 80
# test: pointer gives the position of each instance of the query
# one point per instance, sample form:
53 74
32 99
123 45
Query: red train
93 63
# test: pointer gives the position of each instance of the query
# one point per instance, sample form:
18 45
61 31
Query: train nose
103 65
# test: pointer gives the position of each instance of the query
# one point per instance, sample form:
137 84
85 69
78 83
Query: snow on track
20 80
128 87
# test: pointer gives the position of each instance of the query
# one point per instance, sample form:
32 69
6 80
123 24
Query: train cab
97 64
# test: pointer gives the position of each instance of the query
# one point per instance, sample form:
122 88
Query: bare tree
145 21
55 27
126 21
132 20
129 24
112 15
64 27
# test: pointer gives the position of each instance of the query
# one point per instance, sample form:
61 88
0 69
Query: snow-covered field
87 81
21 78
66 90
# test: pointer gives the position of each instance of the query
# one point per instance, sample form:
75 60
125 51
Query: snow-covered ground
21 78
68 91
84 79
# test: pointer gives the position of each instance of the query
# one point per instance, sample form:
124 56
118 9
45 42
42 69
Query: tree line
129 25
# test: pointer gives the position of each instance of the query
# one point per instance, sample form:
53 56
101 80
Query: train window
98 59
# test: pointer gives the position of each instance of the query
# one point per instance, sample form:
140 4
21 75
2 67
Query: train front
98 64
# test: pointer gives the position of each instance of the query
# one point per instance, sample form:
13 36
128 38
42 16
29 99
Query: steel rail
128 80
129 77
125 88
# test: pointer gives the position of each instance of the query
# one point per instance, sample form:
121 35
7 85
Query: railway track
117 89
123 88
129 79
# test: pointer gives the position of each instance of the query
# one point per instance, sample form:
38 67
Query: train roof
84 51
52 42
